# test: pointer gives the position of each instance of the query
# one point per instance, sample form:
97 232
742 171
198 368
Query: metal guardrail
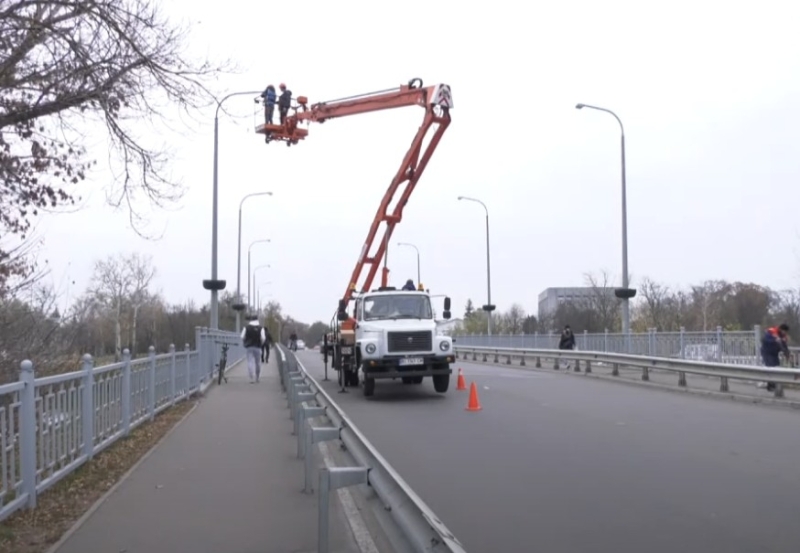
682 367
50 426
420 530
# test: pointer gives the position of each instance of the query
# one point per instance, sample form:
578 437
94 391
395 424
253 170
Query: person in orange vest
774 342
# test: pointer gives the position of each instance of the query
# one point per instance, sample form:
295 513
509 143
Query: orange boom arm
435 100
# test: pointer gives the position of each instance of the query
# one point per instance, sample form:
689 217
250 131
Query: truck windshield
397 306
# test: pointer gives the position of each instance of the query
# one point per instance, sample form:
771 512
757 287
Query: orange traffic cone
474 404
461 384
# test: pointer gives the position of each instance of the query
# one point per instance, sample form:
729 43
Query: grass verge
62 505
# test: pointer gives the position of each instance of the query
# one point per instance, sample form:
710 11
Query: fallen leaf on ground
62 505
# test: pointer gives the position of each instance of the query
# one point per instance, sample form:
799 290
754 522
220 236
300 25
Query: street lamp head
461 197
580 106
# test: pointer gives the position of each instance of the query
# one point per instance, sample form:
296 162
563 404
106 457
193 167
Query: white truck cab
396 336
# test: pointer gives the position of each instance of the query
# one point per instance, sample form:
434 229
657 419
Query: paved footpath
227 480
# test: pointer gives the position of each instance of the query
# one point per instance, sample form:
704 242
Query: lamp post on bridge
258 294
249 250
214 284
419 278
239 306
625 293
255 272
488 307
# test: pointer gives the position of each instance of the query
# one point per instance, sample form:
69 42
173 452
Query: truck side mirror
342 315
446 314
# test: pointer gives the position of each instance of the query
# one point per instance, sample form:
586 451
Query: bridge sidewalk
226 480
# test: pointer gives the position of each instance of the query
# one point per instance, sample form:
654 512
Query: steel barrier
415 527
780 376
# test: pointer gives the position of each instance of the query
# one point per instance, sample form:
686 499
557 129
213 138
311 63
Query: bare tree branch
67 63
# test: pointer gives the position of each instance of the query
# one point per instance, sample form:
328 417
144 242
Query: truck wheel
369 387
441 382
417 379
408 380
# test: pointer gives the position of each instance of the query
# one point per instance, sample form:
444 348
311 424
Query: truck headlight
444 346
370 348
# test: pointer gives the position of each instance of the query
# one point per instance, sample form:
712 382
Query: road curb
97 504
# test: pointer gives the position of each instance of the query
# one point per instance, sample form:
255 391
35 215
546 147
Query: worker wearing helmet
284 102
269 96
409 285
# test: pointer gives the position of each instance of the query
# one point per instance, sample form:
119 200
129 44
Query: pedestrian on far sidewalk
774 342
253 338
567 342
265 346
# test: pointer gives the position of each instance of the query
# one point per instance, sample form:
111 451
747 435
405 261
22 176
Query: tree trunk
134 323
118 332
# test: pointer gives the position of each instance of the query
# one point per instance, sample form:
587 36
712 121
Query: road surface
557 464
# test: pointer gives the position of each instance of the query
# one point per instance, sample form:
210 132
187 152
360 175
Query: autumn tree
469 309
68 65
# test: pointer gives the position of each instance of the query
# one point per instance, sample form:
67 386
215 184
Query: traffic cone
474 404
461 384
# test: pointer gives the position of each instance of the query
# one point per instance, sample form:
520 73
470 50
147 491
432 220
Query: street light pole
214 285
255 271
625 293
239 307
488 307
249 249
258 294
419 278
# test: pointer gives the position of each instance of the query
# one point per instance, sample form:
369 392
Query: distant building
551 298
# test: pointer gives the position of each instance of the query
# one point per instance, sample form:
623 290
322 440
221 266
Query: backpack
252 336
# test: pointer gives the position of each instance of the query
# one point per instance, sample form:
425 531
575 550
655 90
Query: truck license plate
412 361
347 351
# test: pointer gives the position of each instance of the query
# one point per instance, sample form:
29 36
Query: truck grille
410 341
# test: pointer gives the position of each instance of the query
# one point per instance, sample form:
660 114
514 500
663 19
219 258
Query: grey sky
707 92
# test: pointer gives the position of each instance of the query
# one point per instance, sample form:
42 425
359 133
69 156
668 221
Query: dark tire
417 379
352 378
408 379
441 383
369 387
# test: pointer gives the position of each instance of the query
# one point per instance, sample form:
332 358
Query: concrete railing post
27 432
151 383
87 411
757 336
188 351
173 362
126 392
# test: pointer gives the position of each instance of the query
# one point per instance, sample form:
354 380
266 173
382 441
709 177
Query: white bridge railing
50 426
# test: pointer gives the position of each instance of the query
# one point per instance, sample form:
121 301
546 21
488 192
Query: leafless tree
513 319
142 273
656 298
112 283
68 63
602 300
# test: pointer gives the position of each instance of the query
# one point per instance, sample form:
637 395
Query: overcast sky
707 92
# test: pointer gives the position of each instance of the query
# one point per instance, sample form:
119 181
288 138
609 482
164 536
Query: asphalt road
556 464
